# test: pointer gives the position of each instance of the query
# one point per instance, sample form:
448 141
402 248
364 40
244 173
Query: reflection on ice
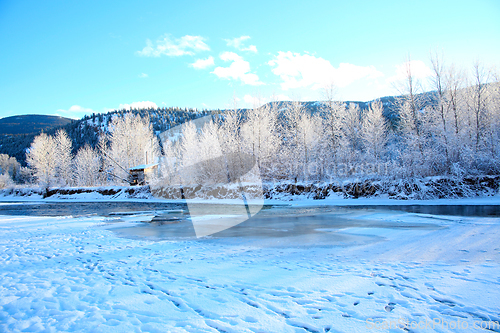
368 233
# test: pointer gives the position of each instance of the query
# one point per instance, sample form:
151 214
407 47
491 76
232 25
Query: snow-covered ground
380 271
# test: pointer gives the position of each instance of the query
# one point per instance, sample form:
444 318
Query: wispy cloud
75 112
203 63
238 44
143 75
238 70
174 47
304 70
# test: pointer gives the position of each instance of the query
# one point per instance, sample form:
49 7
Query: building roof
143 167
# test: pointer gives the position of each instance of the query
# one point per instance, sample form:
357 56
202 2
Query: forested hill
88 129
30 124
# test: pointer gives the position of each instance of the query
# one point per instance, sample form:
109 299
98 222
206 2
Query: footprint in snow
389 307
250 319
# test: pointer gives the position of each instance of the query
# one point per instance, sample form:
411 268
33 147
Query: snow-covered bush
5 181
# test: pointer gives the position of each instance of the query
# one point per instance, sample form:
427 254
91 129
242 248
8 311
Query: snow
76 274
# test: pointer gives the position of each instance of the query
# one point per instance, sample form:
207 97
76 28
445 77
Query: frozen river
132 266
169 221
63 208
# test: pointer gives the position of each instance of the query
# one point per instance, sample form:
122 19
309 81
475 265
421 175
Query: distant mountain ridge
30 124
389 104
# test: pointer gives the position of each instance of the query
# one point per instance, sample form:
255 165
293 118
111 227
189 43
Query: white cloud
251 48
203 63
239 69
187 45
299 71
238 44
418 69
138 105
75 112
143 75
252 100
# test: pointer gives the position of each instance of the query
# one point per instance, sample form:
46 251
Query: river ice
368 270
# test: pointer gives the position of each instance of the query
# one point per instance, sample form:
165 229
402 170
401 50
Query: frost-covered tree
42 159
351 127
439 111
477 102
492 135
9 166
229 135
212 165
443 119
132 142
349 140
308 143
455 80
168 167
411 124
300 135
410 104
411 136
87 165
332 115
292 152
64 158
259 134
374 131
5 180
190 156
482 105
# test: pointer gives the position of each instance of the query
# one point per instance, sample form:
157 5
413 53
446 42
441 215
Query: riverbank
392 191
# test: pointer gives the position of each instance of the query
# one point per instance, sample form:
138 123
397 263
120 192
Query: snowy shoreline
278 194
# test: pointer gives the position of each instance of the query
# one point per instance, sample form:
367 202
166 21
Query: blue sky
76 57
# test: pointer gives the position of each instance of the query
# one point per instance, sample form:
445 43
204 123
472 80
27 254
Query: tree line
454 131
